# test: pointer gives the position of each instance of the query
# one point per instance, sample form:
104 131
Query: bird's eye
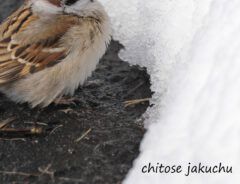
70 2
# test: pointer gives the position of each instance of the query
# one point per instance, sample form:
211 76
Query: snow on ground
192 51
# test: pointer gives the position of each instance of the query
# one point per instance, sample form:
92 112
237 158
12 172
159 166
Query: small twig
84 135
133 102
96 147
20 182
59 126
42 172
30 130
66 110
13 139
19 173
71 179
37 123
135 88
4 123
46 171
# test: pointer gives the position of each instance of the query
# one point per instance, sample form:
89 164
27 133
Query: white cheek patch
42 6
76 7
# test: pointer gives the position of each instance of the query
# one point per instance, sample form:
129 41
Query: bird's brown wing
17 59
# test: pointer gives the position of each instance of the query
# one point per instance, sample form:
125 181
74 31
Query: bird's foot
65 101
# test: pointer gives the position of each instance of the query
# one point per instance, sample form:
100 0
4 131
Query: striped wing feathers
18 60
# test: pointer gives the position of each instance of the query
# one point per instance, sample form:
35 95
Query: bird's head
74 7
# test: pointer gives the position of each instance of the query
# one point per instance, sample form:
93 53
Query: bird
48 48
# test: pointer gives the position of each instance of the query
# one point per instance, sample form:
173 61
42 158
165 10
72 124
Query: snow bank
191 49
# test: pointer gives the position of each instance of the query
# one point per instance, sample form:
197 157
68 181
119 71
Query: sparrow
49 47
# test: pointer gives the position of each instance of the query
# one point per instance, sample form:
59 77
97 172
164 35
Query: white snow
191 49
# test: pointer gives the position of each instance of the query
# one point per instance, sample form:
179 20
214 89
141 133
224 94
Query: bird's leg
65 101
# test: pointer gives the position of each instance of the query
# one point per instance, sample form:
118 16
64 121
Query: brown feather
55 2
19 59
